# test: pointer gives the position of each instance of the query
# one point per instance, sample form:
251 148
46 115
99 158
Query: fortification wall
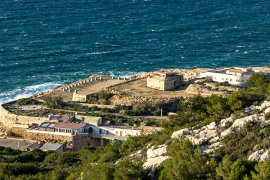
7 118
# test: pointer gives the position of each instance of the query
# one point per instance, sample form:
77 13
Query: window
230 79
223 79
243 80
227 79
236 80
62 130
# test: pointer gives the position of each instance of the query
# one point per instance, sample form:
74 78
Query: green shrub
132 113
208 88
266 132
8 150
226 83
157 113
200 83
17 151
106 110
24 101
94 108
228 124
100 98
67 158
122 107
130 122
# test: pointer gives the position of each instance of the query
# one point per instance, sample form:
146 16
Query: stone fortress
164 81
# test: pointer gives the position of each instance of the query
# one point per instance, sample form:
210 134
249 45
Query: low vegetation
100 98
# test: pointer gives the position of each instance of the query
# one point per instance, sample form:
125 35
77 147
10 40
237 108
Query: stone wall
8 119
18 131
79 97
46 137
149 129
81 141
90 105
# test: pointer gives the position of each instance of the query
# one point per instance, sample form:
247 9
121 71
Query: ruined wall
18 131
79 97
149 129
46 137
7 118
95 142
81 141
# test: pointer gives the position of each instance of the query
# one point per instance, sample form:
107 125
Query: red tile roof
65 118
69 125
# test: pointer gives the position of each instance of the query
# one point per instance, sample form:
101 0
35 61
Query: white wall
218 77
115 131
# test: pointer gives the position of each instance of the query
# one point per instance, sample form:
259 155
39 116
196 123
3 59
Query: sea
48 43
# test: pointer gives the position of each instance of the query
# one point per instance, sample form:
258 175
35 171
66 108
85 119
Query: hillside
214 137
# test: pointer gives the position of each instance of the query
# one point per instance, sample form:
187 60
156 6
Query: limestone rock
181 132
265 156
225 133
223 121
151 153
254 156
212 126
267 110
217 144
213 140
211 134
153 163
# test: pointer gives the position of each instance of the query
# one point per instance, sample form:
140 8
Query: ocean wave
26 92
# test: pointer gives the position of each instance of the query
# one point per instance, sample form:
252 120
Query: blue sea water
48 43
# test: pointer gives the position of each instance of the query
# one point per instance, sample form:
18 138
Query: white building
97 127
264 70
234 75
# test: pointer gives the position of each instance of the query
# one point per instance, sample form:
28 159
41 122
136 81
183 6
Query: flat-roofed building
59 148
71 127
233 75
164 81
264 70
47 126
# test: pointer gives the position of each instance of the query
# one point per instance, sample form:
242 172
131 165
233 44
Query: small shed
59 148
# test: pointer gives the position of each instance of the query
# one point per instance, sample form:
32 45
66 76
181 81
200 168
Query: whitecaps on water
26 92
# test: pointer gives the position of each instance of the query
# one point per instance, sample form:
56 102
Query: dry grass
139 88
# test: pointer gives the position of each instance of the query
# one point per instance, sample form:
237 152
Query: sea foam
26 92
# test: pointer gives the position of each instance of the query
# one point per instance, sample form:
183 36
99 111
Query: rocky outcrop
153 163
265 104
155 157
161 150
265 156
209 137
259 156
196 88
